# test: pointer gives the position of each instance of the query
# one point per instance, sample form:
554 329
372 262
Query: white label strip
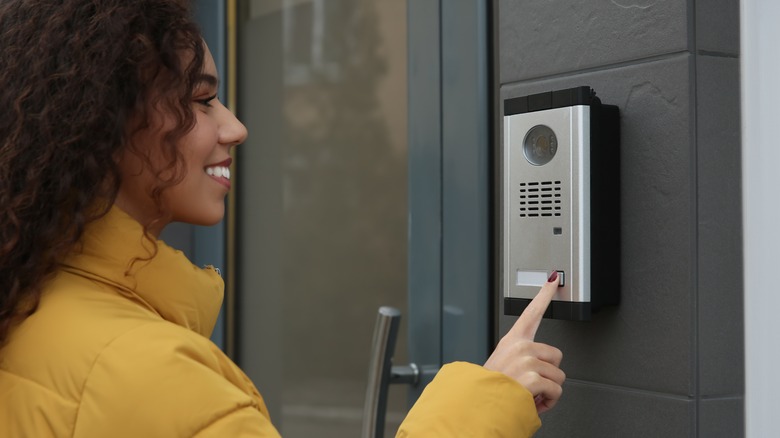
531 278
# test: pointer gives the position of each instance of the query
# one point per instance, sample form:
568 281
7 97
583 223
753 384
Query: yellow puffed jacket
119 348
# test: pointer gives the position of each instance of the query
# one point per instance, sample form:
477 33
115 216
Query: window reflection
333 194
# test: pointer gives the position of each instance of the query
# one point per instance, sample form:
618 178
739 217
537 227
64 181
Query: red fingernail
553 276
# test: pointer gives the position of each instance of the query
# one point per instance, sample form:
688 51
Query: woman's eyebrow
208 79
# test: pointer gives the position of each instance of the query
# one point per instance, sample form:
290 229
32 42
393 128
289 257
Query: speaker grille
540 199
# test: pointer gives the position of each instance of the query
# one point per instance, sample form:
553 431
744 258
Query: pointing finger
529 321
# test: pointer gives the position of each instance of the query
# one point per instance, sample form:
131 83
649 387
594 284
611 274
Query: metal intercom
560 203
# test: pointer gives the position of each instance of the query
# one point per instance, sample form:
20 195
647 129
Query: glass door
365 182
321 209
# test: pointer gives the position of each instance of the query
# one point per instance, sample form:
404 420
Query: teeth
218 171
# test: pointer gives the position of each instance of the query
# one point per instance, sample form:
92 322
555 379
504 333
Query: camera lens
540 145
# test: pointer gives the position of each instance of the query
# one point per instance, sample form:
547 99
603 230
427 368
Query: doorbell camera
560 201
540 145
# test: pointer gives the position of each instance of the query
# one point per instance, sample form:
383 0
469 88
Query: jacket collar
114 251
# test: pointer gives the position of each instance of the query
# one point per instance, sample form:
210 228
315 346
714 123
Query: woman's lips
220 172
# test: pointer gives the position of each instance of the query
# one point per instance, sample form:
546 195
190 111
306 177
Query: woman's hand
534 365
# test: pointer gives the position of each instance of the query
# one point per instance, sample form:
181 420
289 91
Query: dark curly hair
77 79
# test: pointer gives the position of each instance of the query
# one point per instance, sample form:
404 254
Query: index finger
529 321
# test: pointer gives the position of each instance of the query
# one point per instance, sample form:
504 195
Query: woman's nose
232 131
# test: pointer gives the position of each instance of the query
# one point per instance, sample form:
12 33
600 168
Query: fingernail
553 276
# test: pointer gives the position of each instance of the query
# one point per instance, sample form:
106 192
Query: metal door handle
381 372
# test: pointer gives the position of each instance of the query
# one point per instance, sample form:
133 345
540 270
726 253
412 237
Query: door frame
451 109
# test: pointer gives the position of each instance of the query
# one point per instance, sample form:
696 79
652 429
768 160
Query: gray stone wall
668 361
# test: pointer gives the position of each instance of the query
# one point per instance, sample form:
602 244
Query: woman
111 129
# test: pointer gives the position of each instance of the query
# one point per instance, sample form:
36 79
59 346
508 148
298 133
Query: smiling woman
111 130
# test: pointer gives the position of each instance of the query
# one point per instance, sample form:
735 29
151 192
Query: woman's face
200 196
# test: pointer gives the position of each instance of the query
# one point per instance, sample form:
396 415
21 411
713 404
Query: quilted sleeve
467 400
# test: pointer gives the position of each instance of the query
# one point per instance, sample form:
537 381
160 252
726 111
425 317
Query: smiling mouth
219 172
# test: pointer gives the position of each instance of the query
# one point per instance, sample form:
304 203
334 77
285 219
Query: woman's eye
207 101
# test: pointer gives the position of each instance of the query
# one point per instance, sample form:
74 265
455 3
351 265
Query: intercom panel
560 201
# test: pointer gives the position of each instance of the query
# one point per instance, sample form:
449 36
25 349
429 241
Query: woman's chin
203 218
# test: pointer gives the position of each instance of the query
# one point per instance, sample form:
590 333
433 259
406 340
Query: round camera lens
540 145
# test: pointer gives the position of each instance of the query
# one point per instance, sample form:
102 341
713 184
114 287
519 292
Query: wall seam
722 397
694 166
629 390
716 54
600 68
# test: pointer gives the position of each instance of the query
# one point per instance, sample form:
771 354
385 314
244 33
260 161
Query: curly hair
79 78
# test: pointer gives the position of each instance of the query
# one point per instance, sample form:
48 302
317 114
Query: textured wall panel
543 37
591 411
717 26
720 291
646 342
